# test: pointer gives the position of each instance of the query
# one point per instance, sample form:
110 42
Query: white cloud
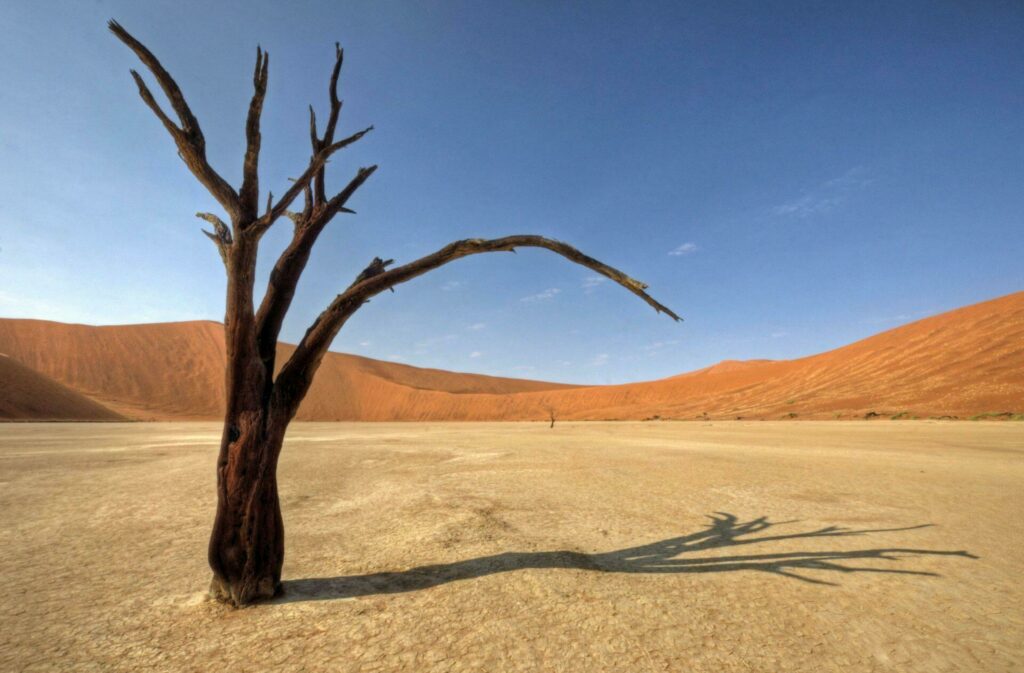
826 197
599 360
779 334
658 345
364 343
542 296
902 317
424 344
591 282
475 354
451 285
684 249
807 206
477 326
854 178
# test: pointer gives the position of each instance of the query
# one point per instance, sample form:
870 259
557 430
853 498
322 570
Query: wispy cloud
659 345
599 360
827 196
779 334
591 282
477 326
425 344
542 296
475 354
364 343
902 317
684 249
451 285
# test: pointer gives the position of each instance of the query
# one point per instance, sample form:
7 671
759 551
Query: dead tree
551 415
246 549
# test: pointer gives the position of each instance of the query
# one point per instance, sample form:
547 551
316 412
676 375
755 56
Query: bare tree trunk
246 549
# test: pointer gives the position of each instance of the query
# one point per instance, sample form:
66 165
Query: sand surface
726 546
960 363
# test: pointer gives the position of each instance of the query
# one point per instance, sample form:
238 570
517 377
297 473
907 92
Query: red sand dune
960 363
27 395
171 371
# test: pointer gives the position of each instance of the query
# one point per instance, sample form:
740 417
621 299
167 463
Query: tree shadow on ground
724 531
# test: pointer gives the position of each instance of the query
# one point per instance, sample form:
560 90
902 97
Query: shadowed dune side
148 372
27 395
964 362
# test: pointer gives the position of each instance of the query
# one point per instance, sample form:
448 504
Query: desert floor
737 546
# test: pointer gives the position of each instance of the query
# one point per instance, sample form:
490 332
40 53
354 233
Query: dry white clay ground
803 546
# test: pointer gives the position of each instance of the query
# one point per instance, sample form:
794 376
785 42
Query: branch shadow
724 531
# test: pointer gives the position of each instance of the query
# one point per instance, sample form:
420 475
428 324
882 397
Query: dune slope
964 362
168 371
27 395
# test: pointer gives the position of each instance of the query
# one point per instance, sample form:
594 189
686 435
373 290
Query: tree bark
246 549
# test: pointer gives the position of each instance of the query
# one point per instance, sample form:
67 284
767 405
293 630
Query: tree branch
332 91
302 182
332 122
297 374
222 237
188 137
284 278
249 194
474 246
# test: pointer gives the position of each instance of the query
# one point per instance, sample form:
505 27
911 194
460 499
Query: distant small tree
246 549
551 414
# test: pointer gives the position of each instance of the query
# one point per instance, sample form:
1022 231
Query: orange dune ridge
965 362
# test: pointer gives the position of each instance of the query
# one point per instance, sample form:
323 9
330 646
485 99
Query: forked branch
186 133
303 182
284 278
316 214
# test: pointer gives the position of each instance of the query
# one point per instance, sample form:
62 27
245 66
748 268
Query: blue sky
788 176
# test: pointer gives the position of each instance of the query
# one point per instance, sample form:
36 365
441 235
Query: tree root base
241 594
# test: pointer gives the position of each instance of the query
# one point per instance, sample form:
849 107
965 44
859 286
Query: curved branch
474 246
189 137
297 374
